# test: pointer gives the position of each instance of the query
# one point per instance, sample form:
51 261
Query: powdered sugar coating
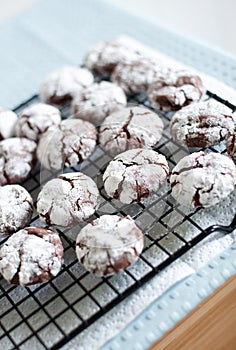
136 76
68 199
202 180
97 101
7 123
109 244
16 208
32 255
231 145
104 57
60 86
67 144
202 124
131 127
34 120
135 174
175 90
17 157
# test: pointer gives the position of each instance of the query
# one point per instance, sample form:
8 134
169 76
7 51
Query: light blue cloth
53 33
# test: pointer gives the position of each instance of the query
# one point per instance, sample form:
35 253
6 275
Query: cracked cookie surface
203 180
16 208
61 85
109 244
175 90
103 58
17 158
129 128
30 256
68 199
34 120
67 144
135 175
135 77
202 124
97 101
8 120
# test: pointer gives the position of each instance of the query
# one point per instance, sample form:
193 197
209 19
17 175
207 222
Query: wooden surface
211 326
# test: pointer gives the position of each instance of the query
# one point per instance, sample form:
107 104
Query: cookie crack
124 127
47 216
16 279
68 180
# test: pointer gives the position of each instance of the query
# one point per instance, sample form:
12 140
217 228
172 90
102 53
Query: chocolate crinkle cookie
16 208
103 58
34 120
67 144
131 127
136 76
68 199
98 101
175 90
231 145
135 175
109 244
202 124
203 180
17 158
7 123
30 256
60 86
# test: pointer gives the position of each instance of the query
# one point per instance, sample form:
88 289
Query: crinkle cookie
16 208
60 86
109 244
68 199
231 145
7 123
175 90
98 101
135 175
34 120
135 77
17 158
131 127
30 256
103 58
202 180
202 124
66 144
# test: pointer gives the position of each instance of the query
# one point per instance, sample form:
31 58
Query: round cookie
202 124
34 120
17 158
135 77
109 244
60 86
175 90
103 58
98 101
7 123
16 208
203 180
68 199
231 145
66 144
131 127
30 256
135 174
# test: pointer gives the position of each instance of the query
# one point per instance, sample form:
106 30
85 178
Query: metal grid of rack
49 315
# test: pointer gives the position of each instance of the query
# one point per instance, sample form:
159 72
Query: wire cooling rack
47 316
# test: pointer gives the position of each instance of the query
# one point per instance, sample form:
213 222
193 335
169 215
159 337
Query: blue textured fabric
54 32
